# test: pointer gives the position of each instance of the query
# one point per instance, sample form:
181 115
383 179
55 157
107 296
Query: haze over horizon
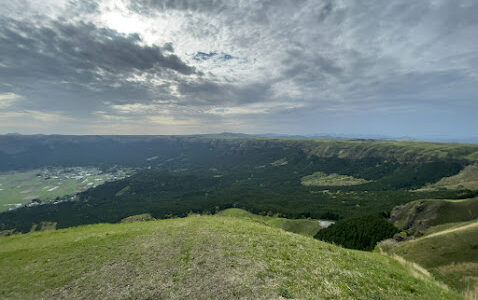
387 68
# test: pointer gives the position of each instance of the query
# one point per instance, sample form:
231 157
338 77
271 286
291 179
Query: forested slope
204 174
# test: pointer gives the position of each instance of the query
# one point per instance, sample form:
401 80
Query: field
199 257
449 252
17 188
322 179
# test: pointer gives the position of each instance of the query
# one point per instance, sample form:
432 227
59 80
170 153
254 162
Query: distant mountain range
437 138
445 139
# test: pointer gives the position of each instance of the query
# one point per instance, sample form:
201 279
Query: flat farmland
21 187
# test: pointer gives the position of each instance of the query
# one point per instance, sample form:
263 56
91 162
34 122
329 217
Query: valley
282 211
236 150
264 176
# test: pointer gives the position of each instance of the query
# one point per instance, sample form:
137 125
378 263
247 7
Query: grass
322 179
23 186
308 227
403 151
198 257
419 215
449 252
279 162
138 218
445 227
466 179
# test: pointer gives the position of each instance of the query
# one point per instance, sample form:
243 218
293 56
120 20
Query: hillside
418 215
175 175
449 252
466 179
207 257
308 227
403 151
36 151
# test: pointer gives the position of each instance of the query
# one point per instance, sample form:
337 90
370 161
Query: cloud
279 65
72 49
8 99
45 117
254 108
60 65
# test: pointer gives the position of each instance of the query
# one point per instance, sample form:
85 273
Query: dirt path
450 230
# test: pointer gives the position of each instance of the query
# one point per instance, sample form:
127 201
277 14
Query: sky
392 68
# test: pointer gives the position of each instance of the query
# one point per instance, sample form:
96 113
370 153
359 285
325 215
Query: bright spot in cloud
7 99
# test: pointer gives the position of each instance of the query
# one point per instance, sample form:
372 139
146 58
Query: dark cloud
212 93
64 65
71 49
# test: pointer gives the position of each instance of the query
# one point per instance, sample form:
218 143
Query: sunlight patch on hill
279 162
466 179
322 179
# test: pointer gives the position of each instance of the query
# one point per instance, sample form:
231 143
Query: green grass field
22 187
199 257
308 227
449 252
322 179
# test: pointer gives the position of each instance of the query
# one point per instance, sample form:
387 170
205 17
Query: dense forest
179 175
361 233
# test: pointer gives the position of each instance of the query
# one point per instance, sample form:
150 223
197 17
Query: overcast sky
396 67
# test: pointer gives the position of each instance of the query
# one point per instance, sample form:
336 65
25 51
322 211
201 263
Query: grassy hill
308 227
419 215
207 257
450 252
466 179
403 151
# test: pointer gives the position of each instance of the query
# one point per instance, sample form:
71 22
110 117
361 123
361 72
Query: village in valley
52 184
